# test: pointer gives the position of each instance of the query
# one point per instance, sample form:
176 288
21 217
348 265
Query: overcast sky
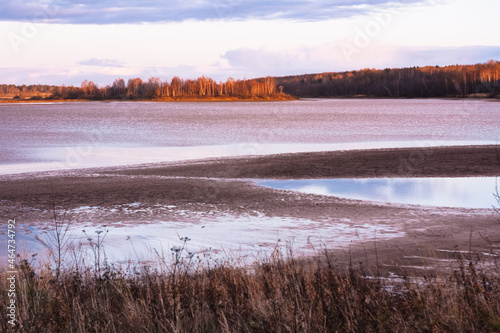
67 41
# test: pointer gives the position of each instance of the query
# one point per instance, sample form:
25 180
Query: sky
68 41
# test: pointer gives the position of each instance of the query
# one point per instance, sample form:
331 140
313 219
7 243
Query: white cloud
101 62
329 57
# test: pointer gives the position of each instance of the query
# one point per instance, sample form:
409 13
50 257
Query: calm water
472 192
36 137
39 137
242 237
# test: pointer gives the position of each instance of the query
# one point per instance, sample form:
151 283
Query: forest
479 80
153 89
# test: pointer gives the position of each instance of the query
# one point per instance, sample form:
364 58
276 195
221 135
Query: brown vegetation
480 80
275 295
154 89
336 291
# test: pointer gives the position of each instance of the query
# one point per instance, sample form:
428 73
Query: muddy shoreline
224 187
454 161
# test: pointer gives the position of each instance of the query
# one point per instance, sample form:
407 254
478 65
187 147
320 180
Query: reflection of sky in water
44 137
472 192
245 237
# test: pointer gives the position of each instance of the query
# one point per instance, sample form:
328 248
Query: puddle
244 238
467 192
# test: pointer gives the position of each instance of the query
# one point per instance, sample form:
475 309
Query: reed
277 294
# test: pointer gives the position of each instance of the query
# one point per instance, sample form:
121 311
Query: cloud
465 55
101 62
69 76
329 58
103 76
127 11
251 63
261 62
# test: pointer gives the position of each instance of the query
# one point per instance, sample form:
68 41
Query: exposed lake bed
211 195
153 207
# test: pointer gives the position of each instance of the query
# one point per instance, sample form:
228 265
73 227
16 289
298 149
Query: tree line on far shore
154 88
481 80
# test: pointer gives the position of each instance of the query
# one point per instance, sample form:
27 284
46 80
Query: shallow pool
468 192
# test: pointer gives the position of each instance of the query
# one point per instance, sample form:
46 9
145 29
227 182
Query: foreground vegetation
274 295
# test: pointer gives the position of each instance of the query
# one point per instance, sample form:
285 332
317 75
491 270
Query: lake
40 137
43 137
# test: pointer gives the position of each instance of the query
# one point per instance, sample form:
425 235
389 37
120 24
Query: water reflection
471 192
44 137
243 237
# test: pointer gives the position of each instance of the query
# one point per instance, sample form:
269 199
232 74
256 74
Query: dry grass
275 295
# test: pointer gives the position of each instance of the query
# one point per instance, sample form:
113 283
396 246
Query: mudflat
459 161
222 187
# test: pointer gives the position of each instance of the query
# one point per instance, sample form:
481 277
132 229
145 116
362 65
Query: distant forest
154 88
480 80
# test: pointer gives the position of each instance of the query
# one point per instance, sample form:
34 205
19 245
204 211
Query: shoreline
163 99
208 190
409 156
363 97
436 161
252 99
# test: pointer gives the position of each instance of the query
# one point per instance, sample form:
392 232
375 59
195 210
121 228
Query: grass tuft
274 295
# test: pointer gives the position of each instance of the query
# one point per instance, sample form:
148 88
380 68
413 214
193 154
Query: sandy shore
466 161
222 187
